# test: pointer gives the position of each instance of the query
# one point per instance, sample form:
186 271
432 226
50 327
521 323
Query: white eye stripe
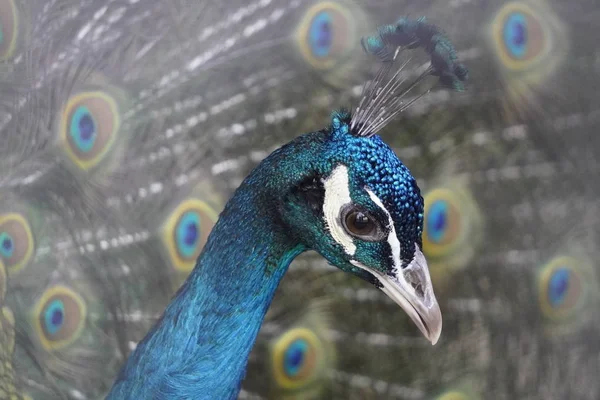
392 238
337 195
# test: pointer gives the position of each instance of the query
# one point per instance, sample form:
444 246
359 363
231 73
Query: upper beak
412 290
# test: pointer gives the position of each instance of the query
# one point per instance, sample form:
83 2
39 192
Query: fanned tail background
125 125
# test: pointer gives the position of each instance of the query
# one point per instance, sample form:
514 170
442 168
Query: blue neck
200 347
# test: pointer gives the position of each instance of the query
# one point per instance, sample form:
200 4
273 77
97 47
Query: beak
412 290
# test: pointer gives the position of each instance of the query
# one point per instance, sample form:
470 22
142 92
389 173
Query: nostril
415 279
418 289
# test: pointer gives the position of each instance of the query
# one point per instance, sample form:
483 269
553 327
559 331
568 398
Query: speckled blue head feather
376 166
355 203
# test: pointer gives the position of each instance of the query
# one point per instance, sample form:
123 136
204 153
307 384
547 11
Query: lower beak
412 290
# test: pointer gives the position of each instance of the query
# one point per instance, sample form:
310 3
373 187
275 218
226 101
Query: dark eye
361 224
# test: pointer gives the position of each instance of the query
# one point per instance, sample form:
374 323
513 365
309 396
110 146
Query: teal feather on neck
199 348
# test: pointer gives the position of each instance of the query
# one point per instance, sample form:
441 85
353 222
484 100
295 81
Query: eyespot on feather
529 42
90 122
17 244
326 33
562 288
185 232
59 317
443 223
450 217
9 28
295 357
452 230
521 36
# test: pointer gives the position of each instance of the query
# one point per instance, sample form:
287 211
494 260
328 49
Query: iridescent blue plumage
240 267
345 195
202 92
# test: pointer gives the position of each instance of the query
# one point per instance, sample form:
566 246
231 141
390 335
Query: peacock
98 232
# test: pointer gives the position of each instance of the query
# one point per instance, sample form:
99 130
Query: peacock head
362 210
359 206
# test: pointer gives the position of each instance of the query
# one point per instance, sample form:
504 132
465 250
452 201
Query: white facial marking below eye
337 195
392 238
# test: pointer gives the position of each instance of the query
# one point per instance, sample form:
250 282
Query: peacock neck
200 347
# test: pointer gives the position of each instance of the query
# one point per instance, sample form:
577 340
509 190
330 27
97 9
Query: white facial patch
337 195
392 238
